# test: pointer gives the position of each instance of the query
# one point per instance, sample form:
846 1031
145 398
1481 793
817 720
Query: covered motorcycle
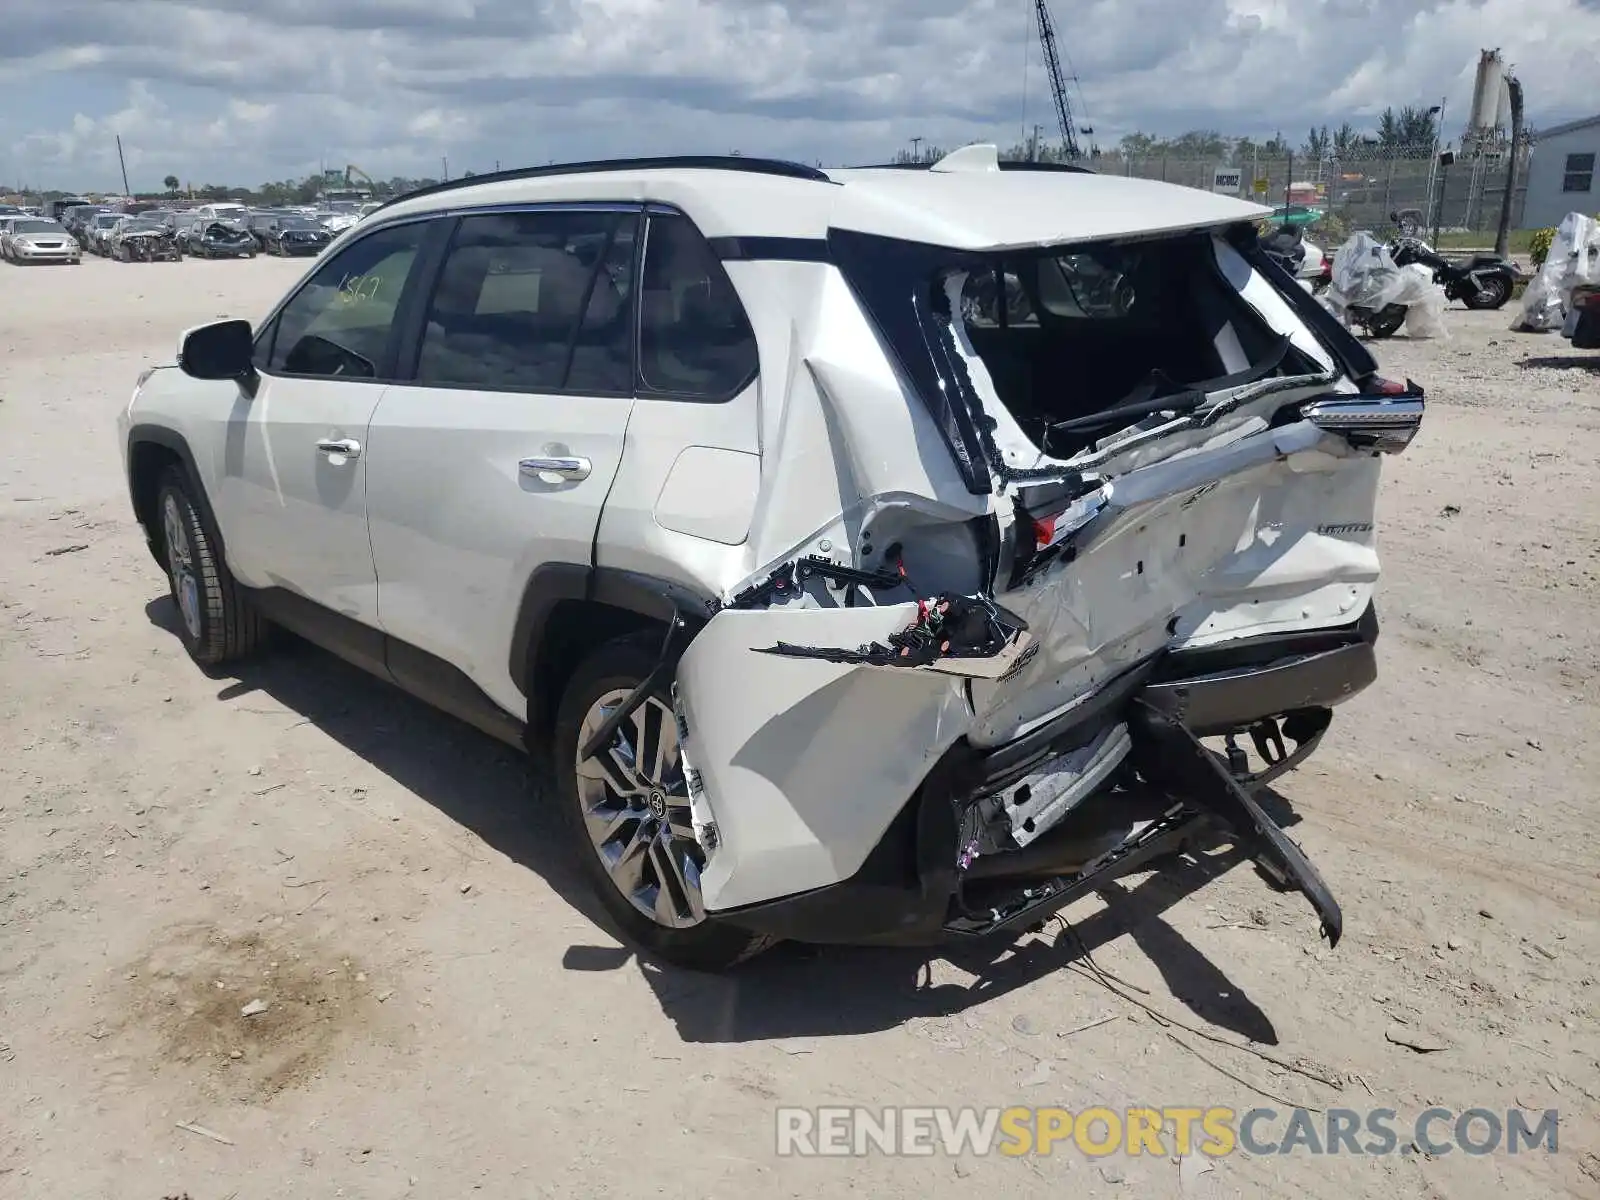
1370 290
1573 263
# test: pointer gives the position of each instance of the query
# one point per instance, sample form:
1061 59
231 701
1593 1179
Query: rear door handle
348 447
566 466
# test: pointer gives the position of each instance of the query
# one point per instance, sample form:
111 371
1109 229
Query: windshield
106 220
36 227
142 226
297 223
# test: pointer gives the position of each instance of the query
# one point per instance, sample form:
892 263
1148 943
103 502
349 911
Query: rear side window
534 302
695 340
340 322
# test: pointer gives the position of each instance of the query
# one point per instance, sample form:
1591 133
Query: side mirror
220 350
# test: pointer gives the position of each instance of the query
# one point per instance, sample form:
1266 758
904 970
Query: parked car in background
258 221
291 234
1072 477
165 217
98 231
137 239
57 209
215 237
29 240
339 217
226 210
77 220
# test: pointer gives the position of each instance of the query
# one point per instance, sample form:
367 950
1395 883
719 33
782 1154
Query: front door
498 454
293 491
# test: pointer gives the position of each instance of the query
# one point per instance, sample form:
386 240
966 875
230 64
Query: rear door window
534 302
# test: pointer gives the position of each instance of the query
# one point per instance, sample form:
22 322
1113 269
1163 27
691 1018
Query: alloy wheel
180 564
635 805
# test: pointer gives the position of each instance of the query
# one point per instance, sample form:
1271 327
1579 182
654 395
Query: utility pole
1502 234
124 165
1438 146
445 162
916 149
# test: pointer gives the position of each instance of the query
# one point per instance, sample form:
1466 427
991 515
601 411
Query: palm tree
171 184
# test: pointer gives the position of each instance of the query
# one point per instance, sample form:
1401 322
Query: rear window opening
1111 328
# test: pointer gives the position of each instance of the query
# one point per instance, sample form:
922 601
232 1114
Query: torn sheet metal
951 635
803 763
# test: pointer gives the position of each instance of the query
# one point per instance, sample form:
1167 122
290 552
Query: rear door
498 452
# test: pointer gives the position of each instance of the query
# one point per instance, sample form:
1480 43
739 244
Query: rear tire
217 622
1492 293
1386 324
628 822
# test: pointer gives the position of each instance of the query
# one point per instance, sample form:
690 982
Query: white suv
866 550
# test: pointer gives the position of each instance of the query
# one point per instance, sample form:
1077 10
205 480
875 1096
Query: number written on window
340 322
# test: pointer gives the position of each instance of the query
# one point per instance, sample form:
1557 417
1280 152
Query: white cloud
248 90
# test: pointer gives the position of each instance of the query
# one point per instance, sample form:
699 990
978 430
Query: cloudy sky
243 91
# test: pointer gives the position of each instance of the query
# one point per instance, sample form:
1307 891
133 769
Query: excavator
345 188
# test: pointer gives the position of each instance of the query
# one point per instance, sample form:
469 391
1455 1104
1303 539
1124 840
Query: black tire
620 666
216 621
1492 293
1386 324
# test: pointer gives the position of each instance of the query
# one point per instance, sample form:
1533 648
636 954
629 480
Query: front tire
627 814
216 621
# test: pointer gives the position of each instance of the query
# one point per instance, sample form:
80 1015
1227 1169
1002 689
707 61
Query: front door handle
347 447
564 465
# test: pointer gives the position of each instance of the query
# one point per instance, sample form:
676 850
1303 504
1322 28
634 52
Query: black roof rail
685 162
1064 168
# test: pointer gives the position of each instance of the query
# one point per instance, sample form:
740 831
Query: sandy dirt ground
447 1018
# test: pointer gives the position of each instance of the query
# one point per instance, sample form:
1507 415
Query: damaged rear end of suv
1067 550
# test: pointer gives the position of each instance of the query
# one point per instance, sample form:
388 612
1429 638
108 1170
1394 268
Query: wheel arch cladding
152 450
569 610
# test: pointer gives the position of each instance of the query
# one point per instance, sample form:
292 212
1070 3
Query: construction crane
1058 83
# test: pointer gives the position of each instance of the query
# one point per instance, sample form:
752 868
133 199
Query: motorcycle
1484 282
1369 288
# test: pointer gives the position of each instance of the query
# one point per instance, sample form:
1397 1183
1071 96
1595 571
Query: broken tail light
1054 527
1381 420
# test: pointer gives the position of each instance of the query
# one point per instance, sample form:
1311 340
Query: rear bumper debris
918 887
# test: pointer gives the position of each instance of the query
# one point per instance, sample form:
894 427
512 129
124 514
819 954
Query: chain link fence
1355 190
